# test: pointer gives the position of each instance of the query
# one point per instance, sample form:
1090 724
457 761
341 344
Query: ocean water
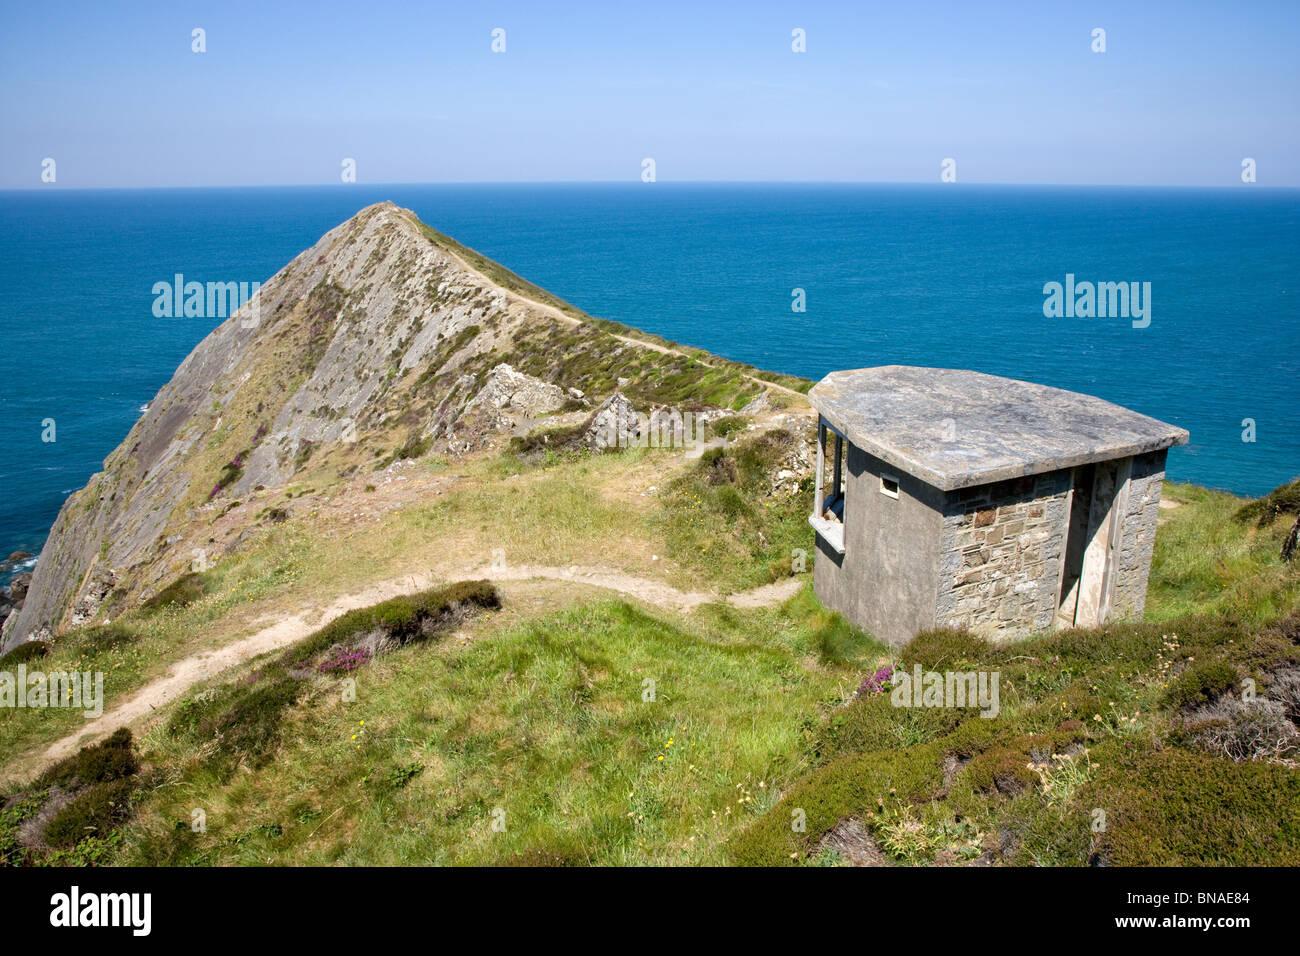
942 275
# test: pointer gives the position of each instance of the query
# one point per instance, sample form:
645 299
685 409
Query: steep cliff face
377 340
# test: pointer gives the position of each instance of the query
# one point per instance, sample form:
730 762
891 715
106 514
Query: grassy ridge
503 277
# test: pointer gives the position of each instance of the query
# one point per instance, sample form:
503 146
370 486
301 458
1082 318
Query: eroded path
202 666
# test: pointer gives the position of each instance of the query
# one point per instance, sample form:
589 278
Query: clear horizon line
56 187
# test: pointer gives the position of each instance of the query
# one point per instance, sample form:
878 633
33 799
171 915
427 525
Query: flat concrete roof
955 429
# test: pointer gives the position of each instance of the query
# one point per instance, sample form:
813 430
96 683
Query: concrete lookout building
949 498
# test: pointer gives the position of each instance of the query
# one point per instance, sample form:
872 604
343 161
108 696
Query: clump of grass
835 639
103 639
24 653
415 446
723 513
111 759
92 814
185 590
1283 500
731 425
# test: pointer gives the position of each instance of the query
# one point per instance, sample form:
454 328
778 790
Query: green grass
547 722
1097 712
1206 560
721 520
540 725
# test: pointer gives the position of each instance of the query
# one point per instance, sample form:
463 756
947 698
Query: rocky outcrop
615 425
379 334
507 389
99 585
383 342
14 595
19 587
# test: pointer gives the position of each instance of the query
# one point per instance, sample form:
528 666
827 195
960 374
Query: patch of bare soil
853 841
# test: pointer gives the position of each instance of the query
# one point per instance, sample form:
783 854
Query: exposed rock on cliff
353 346
384 341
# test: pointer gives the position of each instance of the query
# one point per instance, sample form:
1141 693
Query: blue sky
711 91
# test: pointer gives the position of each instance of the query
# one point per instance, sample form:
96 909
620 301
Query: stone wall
1137 536
1001 547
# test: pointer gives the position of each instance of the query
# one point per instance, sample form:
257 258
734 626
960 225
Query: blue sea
937 275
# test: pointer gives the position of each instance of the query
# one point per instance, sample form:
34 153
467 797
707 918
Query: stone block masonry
1001 548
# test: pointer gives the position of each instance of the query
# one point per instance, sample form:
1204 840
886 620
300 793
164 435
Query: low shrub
559 438
1240 730
24 654
1005 767
94 813
731 425
943 649
107 637
858 785
1171 807
185 590
873 724
1283 500
110 759
405 619
1200 684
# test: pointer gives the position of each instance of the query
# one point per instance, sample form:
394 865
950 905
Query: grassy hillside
567 728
